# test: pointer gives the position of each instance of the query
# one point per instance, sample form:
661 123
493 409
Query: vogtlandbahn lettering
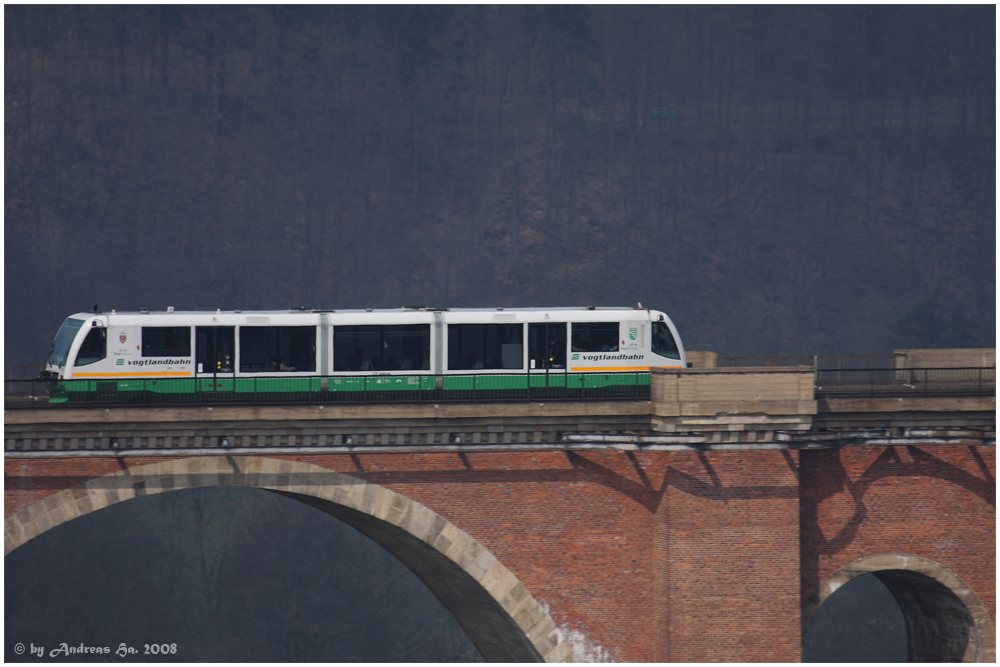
158 362
612 357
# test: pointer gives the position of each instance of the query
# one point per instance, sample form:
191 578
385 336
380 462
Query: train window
166 341
406 348
63 341
663 342
595 336
277 349
402 347
357 348
94 348
490 346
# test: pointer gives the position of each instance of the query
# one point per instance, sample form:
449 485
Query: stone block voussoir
446 537
305 483
418 521
353 493
396 510
368 499
481 566
541 630
561 652
384 504
492 575
530 619
13 534
433 534
547 643
503 586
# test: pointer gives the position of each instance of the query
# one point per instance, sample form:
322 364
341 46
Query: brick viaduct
712 533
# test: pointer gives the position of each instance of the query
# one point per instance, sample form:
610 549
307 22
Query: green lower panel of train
222 389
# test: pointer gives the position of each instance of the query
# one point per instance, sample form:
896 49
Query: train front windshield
64 340
663 342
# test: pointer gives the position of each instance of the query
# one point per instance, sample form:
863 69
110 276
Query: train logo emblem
121 337
633 333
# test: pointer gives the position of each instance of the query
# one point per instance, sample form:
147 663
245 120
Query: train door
215 358
547 347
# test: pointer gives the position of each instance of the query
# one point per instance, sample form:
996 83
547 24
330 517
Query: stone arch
894 569
497 612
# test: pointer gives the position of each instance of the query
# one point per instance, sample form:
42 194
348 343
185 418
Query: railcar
341 354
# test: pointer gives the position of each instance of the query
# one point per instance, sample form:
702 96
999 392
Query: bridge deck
561 424
683 407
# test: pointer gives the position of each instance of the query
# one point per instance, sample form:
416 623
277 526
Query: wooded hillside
780 179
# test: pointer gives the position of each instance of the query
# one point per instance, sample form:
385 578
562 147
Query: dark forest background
779 179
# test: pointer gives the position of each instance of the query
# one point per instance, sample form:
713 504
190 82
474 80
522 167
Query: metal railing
21 372
831 382
817 361
22 388
905 382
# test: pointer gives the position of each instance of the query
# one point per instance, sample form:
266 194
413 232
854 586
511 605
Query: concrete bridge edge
311 482
982 645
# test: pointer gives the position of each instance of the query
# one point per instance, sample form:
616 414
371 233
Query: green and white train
330 354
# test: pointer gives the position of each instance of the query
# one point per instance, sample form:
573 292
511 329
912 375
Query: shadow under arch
936 603
497 612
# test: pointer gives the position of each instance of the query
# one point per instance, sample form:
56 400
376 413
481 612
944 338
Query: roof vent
144 311
170 309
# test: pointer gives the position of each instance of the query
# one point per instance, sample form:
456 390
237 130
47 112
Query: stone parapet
757 401
698 359
982 357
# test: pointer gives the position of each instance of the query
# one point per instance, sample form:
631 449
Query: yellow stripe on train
132 375
608 369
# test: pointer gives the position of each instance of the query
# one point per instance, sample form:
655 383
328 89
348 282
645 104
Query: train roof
362 311
374 316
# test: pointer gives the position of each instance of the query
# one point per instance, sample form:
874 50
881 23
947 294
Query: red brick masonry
674 556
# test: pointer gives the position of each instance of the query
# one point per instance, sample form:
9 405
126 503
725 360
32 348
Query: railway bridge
708 523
